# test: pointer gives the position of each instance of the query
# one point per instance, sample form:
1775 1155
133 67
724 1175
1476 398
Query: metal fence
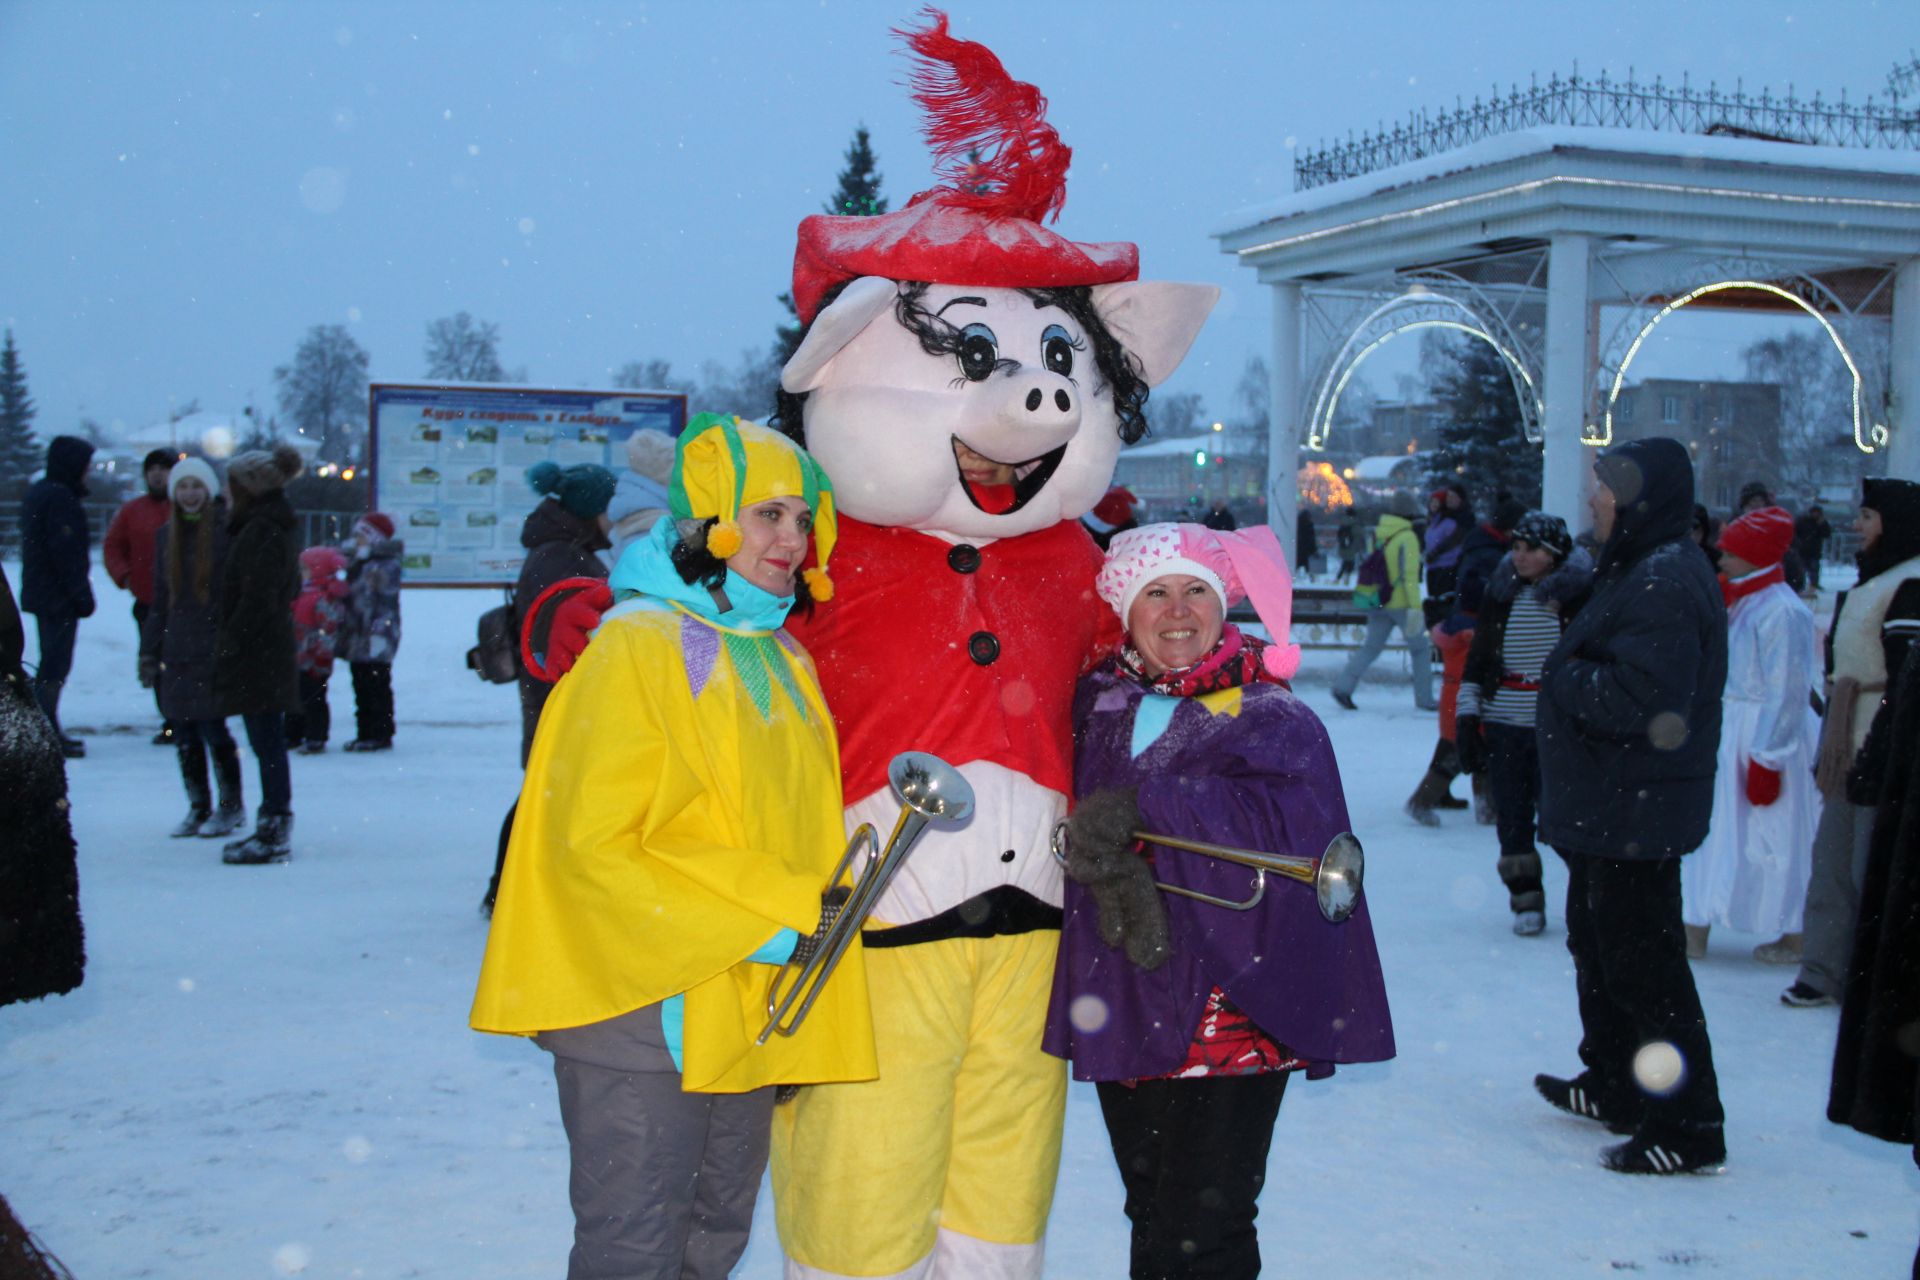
1623 104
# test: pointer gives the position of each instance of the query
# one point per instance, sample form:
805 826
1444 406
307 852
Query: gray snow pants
663 1182
1840 845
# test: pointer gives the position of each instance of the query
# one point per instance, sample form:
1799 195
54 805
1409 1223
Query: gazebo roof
1817 206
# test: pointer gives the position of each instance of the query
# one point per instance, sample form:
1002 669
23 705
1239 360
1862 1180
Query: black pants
194 739
267 735
1635 988
58 631
1513 767
314 721
1193 1157
373 701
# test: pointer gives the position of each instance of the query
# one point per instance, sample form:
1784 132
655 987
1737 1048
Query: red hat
379 521
982 224
1116 507
1760 537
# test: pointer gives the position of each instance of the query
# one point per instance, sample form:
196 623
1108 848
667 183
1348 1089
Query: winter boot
190 825
270 842
1420 813
193 772
1674 1151
232 813
1529 924
369 744
1804 995
1581 1097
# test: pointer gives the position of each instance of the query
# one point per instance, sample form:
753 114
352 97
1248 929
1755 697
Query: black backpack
496 659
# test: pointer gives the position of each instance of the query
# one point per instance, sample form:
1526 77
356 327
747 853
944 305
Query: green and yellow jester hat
723 464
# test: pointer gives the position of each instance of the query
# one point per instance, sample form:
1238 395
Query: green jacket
1395 538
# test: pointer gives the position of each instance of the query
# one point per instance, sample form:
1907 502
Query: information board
450 463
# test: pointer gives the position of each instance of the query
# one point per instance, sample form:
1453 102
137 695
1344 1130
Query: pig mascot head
961 329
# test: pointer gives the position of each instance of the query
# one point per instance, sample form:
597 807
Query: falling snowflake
1658 1067
1088 1014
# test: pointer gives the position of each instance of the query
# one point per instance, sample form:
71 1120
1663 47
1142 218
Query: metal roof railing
1620 104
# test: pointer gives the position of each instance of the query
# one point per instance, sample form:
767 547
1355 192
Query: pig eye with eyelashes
1056 350
979 352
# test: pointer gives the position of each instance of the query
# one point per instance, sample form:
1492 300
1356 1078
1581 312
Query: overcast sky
186 187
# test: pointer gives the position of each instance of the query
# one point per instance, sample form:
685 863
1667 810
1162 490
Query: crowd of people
1627 696
236 619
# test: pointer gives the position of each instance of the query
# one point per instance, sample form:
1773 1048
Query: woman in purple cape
1190 1016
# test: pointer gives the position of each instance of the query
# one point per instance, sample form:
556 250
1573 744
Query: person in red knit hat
1751 873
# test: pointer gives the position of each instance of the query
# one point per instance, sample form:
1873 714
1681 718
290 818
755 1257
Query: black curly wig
1118 370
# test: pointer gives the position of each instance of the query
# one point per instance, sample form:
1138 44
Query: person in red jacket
128 550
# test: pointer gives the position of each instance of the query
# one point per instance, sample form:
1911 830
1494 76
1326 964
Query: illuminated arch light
1868 440
1323 425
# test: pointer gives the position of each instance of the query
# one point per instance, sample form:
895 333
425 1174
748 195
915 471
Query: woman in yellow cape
680 818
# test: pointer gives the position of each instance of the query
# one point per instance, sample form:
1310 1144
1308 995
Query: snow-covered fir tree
1483 443
19 451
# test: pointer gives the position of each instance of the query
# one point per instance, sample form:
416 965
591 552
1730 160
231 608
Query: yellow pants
957 1141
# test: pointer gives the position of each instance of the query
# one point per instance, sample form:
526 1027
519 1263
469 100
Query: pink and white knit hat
1244 565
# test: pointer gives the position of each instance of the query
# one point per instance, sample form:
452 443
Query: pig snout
1028 414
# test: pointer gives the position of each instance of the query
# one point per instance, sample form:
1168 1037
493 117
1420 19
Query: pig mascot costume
960 330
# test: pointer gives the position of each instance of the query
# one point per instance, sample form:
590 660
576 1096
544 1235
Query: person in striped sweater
1529 598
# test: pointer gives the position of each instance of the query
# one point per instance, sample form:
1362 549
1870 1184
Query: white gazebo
1520 237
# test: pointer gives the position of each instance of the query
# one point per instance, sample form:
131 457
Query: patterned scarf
1234 661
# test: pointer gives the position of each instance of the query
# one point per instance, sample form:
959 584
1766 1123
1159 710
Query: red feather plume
974 108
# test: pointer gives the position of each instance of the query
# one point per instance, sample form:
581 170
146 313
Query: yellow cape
681 805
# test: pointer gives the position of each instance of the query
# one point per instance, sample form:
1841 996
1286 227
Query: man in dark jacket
1810 534
1629 728
53 570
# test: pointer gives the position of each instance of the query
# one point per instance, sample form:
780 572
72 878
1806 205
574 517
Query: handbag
1371 580
496 658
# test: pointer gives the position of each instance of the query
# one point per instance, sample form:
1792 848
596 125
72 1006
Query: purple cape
1259 775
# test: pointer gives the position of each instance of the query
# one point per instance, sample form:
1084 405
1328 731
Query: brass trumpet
930 790
1335 875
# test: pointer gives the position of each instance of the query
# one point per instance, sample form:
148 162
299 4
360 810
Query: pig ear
834 328
1155 320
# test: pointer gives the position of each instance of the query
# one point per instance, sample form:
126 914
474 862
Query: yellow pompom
723 540
819 585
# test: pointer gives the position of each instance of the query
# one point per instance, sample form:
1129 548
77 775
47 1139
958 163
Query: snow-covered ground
268 1071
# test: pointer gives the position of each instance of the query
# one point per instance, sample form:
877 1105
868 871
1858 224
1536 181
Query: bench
1323 617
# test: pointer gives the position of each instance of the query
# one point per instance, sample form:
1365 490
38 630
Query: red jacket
129 548
968 652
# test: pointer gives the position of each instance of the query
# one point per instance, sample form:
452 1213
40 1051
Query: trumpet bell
1337 881
931 787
